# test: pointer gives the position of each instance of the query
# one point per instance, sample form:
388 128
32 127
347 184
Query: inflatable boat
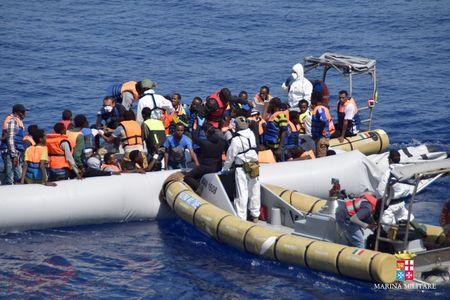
131 197
301 230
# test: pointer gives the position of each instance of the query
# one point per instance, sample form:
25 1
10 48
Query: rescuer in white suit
243 156
298 87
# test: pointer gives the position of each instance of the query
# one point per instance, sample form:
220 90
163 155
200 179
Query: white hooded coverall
299 89
247 189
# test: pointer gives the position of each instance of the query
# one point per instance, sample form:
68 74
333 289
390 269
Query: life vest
293 135
260 105
130 86
34 154
133 133
113 168
88 138
302 118
215 117
157 132
273 129
353 124
353 205
72 138
66 123
19 133
319 124
56 156
28 138
266 157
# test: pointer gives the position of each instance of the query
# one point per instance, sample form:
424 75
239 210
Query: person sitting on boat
257 125
61 160
305 117
153 132
243 95
110 114
148 98
354 216
175 148
11 145
84 139
93 168
297 86
216 104
66 118
111 163
348 116
136 163
242 155
298 153
321 125
36 161
28 138
292 137
179 108
276 127
261 100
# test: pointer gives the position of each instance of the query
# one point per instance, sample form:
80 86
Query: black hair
146 113
32 128
343 92
265 87
129 115
225 95
177 94
80 121
243 93
275 103
303 101
133 155
38 135
293 115
316 97
59 128
197 98
107 157
66 115
179 124
394 156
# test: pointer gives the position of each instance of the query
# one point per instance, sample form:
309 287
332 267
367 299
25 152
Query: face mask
108 108
294 75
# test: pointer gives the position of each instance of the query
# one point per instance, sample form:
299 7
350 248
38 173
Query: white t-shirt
349 112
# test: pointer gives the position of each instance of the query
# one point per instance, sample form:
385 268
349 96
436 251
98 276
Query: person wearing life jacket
216 105
153 133
110 163
148 98
66 119
110 114
11 145
305 117
276 127
243 157
36 161
257 125
60 159
175 148
28 138
82 139
354 215
124 93
322 125
261 100
348 116
297 86
292 137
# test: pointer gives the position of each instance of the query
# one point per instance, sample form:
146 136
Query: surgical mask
294 75
108 108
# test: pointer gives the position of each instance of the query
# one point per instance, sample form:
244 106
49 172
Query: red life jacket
214 117
353 205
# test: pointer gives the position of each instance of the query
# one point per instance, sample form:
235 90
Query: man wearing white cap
148 98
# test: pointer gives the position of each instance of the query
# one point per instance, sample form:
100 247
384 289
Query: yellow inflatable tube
368 142
322 256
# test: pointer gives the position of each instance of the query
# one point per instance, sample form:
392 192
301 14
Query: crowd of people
139 130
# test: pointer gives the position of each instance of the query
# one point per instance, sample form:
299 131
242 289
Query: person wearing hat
148 98
242 155
11 145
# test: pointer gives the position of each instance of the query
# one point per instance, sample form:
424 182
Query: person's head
275 105
38 136
19 110
110 158
264 92
59 128
343 96
179 130
241 123
136 157
66 115
394 157
225 95
176 99
109 101
146 113
129 115
196 101
303 105
32 128
316 99
211 104
243 95
294 117
80 121
209 130
145 85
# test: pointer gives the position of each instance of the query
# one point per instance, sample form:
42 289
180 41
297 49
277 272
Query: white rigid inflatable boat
131 197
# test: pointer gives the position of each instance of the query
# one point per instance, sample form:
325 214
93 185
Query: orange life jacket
34 153
29 139
167 119
331 127
56 156
66 123
266 157
133 133
353 205
72 138
130 86
341 107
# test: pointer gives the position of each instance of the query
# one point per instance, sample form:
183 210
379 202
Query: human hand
341 139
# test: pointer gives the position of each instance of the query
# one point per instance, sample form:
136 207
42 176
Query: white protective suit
247 189
147 101
299 89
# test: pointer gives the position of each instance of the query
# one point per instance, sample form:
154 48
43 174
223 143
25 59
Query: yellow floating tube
323 256
436 236
368 142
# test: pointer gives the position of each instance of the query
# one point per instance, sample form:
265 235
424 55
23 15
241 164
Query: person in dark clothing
210 158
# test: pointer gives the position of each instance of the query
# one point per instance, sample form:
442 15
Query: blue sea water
63 54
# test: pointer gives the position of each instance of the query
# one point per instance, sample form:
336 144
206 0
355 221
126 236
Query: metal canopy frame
348 66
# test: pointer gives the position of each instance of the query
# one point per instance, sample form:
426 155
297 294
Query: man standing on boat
243 156
150 99
321 125
348 116
297 86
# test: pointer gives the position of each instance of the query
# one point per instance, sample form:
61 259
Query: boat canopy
345 64
404 173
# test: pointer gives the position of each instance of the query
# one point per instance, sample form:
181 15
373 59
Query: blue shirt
320 124
176 147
